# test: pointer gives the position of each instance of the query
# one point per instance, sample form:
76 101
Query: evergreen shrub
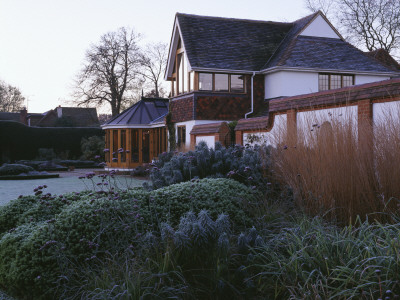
247 165
43 237
14 169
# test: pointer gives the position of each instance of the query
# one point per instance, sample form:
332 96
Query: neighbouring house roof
76 116
145 112
210 128
81 116
247 45
9 116
384 57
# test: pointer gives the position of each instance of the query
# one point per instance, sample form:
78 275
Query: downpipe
252 96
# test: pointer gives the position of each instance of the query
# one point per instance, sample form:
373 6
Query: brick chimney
22 116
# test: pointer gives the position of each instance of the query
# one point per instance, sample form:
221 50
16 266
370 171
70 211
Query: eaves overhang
321 70
176 34
213 70
155 125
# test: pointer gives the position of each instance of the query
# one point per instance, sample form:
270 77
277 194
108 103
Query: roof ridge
235 19
289 39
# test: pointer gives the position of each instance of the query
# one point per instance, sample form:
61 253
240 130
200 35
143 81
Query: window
221 82
334 81
181 136
115 146
135 145
123 145
231 83
237 83
107 154
205 82
191 83
181 74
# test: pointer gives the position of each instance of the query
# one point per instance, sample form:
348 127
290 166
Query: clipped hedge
43 237
23 142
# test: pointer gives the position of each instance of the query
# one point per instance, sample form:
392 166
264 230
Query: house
64 117
137 135
224 69
265 75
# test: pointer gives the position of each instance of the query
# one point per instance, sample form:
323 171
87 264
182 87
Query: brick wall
182 109
218 106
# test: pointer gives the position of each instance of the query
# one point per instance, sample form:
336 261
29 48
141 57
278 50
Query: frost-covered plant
14 169
247 165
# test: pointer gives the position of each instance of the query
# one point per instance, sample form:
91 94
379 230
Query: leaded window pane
336 82
323 82
347 80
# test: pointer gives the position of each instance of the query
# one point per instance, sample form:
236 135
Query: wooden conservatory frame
128 148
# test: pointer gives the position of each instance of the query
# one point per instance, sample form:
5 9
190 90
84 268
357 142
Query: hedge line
18 141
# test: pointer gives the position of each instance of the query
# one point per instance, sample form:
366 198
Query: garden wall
371 103
18 141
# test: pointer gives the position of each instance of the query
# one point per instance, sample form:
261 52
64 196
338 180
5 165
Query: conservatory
137 135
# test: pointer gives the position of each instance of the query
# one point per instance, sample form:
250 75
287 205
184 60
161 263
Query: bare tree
373 24
11 99
110 71
153 60
370 24
326 6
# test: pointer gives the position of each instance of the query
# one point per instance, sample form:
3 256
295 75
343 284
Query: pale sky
43 42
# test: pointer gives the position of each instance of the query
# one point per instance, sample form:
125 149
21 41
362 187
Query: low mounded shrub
248 165
14 169
216 196
49 235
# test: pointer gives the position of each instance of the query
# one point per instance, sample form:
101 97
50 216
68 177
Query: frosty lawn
11 189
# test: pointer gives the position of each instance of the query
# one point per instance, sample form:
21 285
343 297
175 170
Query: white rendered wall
383 113
290 83
361 79
320 28
309 122
210 140
276 135
189 126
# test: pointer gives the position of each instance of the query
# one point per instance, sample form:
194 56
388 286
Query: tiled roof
207 128
144 112
258 123
328 53
288 40
222 43
81 116
8 116
247 45
385 58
